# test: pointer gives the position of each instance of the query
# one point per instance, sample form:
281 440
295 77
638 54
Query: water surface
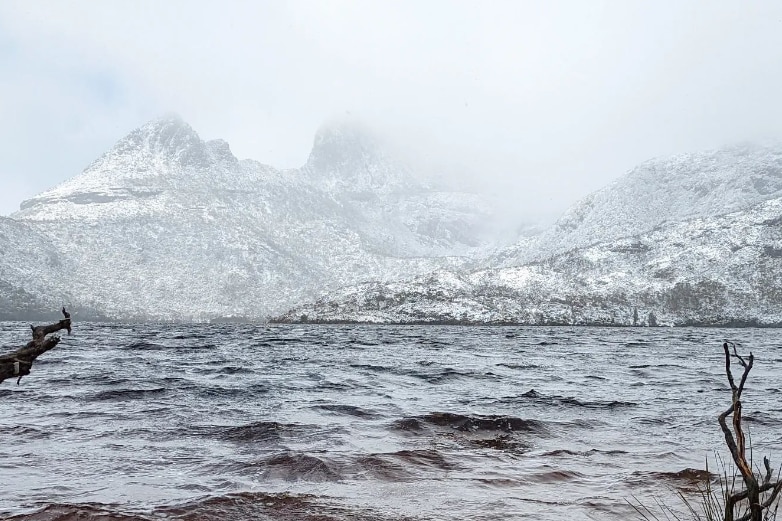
358 423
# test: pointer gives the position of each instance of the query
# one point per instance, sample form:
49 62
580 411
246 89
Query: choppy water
357 423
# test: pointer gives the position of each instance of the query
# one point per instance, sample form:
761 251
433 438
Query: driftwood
760 491
18 364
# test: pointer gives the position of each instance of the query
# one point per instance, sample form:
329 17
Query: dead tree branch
18 364
754 487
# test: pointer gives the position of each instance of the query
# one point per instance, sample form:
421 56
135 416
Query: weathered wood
754 486
18 363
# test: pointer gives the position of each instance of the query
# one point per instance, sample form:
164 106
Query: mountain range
691 240
166 226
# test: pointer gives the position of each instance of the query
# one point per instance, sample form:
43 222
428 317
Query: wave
188 336
256 432
518 366
554 476
587 453
26 432
79 512
499 433
276 341
241 506
429 458
688 474
144 346
293 466
230 369
686 479
762 418
654 366
444 375
254 506
502 442
532 394
461 422
348 410
218 391
370 367
378 466
127 394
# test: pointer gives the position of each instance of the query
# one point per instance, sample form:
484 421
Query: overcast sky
545 100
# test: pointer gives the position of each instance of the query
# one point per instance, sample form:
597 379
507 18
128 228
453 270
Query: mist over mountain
168 226
693 239
660 191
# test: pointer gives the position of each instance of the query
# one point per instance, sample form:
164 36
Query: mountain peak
171 139
678 188
168 135
341 144
350 155
150 158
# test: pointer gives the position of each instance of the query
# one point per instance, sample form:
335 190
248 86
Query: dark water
357 423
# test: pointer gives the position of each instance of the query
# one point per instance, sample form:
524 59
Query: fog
543 102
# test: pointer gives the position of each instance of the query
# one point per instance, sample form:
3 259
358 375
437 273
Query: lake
343 422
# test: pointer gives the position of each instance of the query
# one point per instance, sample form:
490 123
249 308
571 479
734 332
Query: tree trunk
754 485
19 363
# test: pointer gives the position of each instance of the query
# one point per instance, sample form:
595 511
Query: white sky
545 101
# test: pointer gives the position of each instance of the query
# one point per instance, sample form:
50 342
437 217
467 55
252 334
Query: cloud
542 101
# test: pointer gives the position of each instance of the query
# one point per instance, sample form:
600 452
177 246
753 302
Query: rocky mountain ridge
724 270
657 192
166 226
691 239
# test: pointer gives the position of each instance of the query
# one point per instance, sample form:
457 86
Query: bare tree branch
769 472
727 366
18 363
736 441
775 492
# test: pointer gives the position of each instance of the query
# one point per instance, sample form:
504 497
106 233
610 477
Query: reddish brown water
363 423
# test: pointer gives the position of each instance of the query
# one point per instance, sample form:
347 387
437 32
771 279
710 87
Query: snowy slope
723 269
167 226
27 263
659 191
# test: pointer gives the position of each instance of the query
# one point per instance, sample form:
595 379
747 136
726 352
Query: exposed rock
167 226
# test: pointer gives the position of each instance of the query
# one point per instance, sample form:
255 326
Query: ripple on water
127 394
242 506
262 431
354 423
556 400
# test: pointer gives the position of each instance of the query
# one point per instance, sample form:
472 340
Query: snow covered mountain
696 239
24 256
168 226
660 191
723 270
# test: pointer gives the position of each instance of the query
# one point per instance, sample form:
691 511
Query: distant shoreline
38 317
